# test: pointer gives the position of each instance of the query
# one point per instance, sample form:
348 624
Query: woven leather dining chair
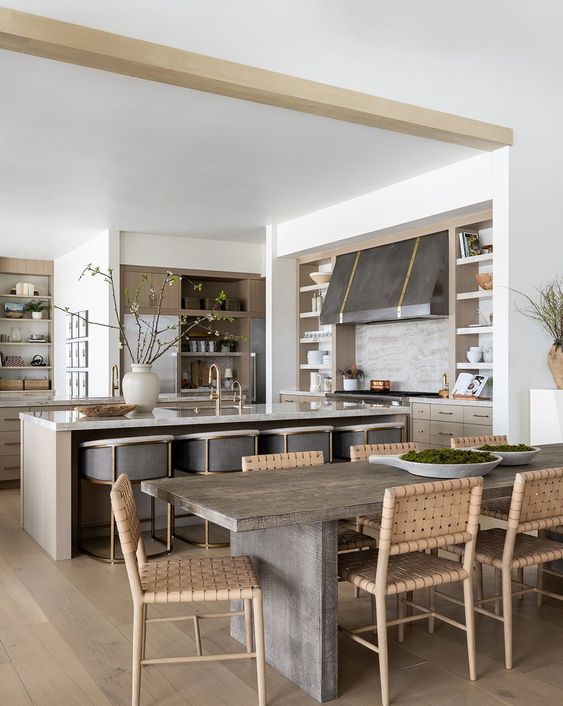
536 504
201 579
417 518
348 539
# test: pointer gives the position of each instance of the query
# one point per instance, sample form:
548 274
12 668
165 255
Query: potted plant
153 339
36 307
227 344
351 376
547 308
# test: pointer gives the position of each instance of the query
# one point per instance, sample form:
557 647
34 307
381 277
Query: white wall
450 188
166 251
89 294
281 320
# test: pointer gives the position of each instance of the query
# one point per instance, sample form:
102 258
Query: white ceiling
83 150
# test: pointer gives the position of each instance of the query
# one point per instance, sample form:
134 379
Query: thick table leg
298 573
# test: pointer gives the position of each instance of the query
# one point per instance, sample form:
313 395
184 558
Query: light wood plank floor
65 640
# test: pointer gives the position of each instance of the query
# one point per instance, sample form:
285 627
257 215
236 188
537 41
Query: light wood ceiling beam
74 44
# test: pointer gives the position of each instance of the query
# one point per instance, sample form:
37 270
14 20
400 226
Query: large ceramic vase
141 387
555 362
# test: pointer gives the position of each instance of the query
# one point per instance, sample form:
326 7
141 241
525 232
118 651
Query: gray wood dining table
286 521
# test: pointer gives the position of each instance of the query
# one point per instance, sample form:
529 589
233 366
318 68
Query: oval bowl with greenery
443 463
512 454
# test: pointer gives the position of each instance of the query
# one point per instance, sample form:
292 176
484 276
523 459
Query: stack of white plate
315 357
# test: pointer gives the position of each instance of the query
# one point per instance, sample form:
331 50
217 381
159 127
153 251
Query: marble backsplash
412 354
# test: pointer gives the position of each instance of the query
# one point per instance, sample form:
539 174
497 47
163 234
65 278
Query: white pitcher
315 382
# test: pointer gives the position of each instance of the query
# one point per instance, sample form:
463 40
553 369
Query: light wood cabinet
433 425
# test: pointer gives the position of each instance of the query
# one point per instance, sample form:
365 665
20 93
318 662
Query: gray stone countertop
170 416
200 393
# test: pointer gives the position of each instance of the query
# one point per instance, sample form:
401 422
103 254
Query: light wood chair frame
523 518
466 442
427 537
133 549
112 559
206 543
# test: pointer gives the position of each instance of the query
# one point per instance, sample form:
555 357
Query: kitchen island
50 441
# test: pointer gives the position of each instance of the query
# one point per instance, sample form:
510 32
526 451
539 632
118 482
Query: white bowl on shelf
320 277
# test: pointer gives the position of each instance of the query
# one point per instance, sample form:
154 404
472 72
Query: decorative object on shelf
105 410
315 381
475 354
192 303
36 384
484 280
11 384
228 379
36 307
13 361
469 244
16 335
488 355
351 376
486 249
141 386
320 277
38 361
25 289
232 304
212 346
548 310
14 310
38 338
82 324
468 386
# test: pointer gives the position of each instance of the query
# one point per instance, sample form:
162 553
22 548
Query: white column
281 319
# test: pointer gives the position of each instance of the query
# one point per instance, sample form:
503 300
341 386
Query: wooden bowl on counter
105 410
320 277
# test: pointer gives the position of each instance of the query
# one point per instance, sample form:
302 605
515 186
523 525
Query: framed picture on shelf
470 243
69 326
68 384
75 384
82 354
82 324
69 360
83 384
75 355
74 326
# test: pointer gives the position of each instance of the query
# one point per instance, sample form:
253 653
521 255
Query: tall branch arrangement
153 339
547 308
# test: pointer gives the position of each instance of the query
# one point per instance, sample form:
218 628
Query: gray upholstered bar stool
208 453
140 458
359 434
281 441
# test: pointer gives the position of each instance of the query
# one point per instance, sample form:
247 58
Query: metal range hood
396 282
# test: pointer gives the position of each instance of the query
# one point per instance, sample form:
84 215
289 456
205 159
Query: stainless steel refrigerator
166 367
258 361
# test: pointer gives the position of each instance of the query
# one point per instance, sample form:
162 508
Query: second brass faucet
215 393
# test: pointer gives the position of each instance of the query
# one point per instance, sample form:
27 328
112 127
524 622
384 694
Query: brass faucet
237 398
215 394
114 380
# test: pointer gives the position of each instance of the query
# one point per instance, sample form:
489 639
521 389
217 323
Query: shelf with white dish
306 366
313 287
26 343
475 259
216 354
474 330
26 297
321 339
479 294
474 366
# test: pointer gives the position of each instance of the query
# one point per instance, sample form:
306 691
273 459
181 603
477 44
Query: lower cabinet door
9 467
442 432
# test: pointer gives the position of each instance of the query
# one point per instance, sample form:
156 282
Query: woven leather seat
496 509
528 550
185 580
199 579
406 572
349 539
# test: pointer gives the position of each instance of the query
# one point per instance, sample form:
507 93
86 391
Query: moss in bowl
457 456
506 447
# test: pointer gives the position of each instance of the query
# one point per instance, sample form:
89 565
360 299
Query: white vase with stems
141 387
